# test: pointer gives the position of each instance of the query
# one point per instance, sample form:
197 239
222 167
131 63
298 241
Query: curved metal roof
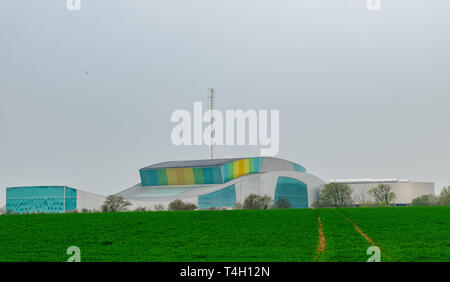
193 163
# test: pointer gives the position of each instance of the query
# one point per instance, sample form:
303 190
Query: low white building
404 190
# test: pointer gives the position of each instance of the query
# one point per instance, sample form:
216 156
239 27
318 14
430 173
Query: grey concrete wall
265 183
275 164
86 200
405 191
259 183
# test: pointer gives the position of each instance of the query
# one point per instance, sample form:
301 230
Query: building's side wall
260 184
404 191
36 199
181 176
275 164
265 184
89 201
298 167
225 197
215 174
292 190
70 199
240 168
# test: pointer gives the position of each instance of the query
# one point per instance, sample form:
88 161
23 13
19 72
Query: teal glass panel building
293 190
48 199
225 197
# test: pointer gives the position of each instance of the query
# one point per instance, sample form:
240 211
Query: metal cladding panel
276 164
211 171
149 177
162 177
198 175
36 205
225 197
49 199
89 201
298 167
71 204
70 192
240 168
70 199
181 176
405 192
292 190
35 191
257 183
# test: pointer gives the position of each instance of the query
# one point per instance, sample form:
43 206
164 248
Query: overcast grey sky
361 94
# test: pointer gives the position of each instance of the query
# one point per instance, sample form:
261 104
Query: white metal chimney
211 101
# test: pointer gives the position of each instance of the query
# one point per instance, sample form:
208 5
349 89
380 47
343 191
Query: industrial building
404 190
50 199
222 183
212 183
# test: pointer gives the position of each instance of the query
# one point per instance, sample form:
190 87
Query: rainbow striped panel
240 168
181 176
200 175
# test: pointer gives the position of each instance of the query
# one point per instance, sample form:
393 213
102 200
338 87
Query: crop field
343 241
402 234
407 234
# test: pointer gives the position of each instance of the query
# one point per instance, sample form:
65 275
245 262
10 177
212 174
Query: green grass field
402 234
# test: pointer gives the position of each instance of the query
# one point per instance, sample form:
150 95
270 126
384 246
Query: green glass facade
225 197
293 190
299 168
48 199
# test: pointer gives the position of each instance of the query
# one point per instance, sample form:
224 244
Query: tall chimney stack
211 101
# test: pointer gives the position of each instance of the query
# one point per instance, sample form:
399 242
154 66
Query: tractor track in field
365 236
322 241
361 232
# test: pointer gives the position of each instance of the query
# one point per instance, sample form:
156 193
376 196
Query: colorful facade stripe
181 176
200 175
240 168
204 175
49 199
225 197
